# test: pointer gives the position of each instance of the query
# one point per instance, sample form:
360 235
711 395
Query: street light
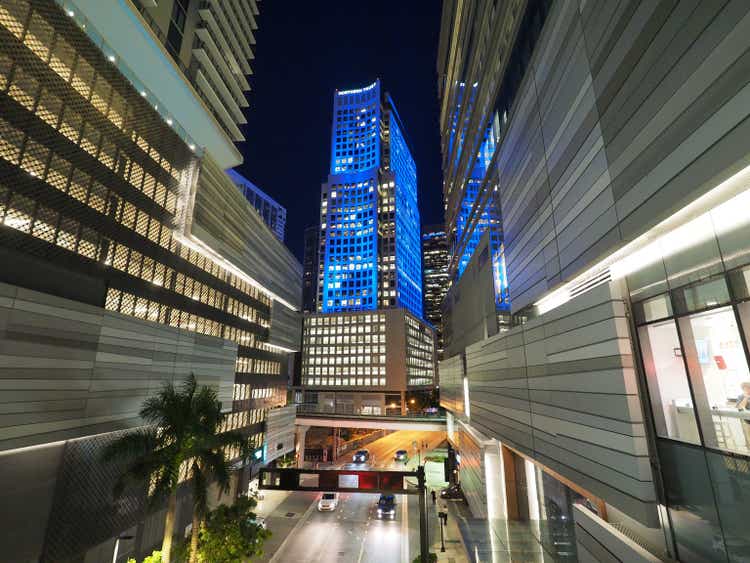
443 516
117 545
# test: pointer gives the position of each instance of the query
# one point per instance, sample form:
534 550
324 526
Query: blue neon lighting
408 235
370 159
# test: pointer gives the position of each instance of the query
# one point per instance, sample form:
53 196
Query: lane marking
405 528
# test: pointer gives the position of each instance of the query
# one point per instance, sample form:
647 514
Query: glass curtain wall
693 342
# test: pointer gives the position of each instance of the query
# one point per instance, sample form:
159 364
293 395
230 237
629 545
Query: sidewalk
503 540
455 551
282 512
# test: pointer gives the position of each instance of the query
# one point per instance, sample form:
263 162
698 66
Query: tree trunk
194 537
166 544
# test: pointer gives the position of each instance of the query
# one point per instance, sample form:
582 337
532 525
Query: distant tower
310 269
435 272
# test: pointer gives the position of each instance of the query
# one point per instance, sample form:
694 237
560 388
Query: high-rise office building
310 268
272 213
435 279
369 259
370 196
616 404
129 259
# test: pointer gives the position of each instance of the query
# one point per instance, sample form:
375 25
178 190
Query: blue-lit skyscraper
370 230
367 348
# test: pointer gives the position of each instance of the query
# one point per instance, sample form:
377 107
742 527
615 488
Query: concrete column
403 403
300 434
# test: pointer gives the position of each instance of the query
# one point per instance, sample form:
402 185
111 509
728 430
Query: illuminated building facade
435 275
129 259
370 251
369 258
609 134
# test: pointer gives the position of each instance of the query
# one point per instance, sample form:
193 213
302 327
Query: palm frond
132 444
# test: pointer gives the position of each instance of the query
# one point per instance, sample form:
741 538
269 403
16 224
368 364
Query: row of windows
344 320
242 419
363 327
26 90
256 366
369 356
344 381
353 339
146 309
243 391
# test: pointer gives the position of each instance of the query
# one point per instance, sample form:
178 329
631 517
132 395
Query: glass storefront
693 343
696 365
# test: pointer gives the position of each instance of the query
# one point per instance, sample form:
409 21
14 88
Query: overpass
381 422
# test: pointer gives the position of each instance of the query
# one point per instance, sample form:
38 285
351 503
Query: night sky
305 50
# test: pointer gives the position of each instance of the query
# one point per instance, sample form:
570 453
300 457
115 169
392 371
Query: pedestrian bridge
435 423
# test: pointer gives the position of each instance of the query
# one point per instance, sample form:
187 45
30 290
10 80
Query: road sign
336 480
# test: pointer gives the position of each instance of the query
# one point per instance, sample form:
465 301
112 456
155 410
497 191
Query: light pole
443 516
117 546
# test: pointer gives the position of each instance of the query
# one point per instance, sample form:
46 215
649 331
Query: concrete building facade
619 175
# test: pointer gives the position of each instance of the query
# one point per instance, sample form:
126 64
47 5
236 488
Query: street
353 532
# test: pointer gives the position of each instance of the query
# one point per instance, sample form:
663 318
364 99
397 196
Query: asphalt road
353 533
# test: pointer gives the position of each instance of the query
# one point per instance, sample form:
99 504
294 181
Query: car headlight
380 511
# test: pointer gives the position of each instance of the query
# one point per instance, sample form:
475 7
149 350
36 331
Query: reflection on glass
731 481
720 377
692 507
555 510
702 295
658 307
674 415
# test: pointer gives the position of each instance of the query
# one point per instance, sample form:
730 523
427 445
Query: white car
328 502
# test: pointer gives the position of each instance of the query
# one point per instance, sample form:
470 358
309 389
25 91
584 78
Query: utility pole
424 544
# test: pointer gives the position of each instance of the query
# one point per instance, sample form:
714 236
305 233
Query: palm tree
182 434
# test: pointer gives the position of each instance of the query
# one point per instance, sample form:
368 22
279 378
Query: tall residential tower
368 333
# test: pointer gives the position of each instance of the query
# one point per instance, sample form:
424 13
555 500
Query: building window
177 27
720 377
671 402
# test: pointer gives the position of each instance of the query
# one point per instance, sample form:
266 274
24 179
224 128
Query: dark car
453 492
387 507
401 455
362 456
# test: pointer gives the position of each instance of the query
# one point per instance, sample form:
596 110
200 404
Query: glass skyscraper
370 236
367 347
